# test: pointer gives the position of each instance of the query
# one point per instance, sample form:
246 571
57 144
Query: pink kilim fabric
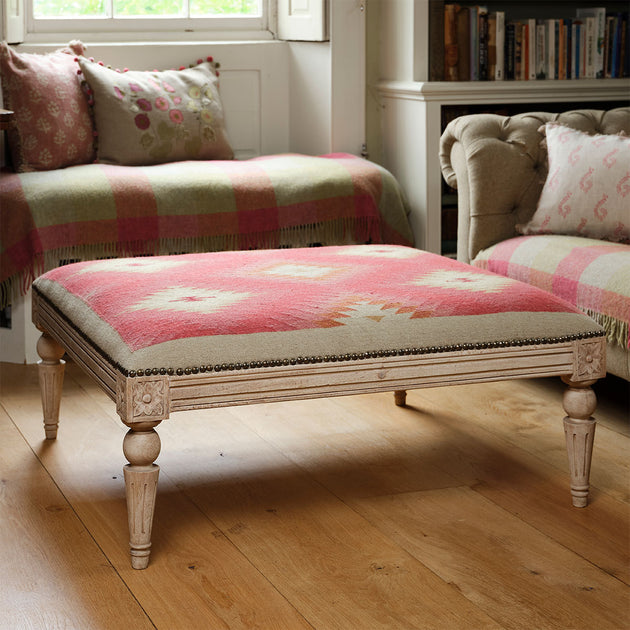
364 296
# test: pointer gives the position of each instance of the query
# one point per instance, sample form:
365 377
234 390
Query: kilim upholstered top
236 310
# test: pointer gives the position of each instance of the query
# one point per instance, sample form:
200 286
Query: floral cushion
587 191
52 126
156 117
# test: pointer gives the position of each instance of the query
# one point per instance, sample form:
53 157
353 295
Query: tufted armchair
499 166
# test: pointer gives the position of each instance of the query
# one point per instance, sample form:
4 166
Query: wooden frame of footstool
145 400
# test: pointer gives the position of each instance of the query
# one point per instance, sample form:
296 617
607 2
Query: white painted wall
310 91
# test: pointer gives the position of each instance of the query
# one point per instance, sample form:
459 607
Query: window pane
201 8
69 8
149 8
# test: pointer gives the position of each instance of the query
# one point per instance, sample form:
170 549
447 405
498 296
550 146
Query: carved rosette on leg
50 370
142 404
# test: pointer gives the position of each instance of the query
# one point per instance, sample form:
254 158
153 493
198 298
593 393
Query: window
145 16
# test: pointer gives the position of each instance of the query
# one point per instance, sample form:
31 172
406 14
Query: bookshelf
411 109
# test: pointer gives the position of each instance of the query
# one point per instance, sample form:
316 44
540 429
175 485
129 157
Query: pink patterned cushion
587 191
52 126
229 310
155 117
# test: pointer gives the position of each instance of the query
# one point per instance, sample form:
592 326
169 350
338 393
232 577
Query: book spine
562 59
610 31
575 50
569 47
474 43
463 44
550 47
492 46
541 55
450 43
518 51
583 51
625 50
436 40
499 73
510 43
616 47
589 66
483 44
600 30
531 49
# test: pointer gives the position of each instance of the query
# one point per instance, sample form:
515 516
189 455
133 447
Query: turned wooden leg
400 397
141 447
50 370
579 428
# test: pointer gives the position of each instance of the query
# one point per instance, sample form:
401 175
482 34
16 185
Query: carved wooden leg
400 397
579 428
50 370
141 447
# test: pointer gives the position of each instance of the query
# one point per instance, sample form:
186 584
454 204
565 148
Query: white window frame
150 29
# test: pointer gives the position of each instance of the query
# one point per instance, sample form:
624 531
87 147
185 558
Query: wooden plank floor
347 513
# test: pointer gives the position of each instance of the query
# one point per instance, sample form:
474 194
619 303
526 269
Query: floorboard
346 513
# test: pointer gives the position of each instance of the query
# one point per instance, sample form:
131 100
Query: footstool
170 333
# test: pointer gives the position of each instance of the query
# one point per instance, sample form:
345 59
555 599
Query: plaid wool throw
103 211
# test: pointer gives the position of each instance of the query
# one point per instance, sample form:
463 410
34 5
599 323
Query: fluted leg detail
579 428
50 370
141 447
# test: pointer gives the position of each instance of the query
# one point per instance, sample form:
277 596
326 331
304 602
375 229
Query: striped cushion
593 275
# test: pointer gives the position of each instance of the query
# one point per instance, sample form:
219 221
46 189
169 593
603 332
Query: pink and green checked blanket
100 211
591 274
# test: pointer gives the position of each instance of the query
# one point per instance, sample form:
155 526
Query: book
436 40
510 46
450 43
474 43
531 49
611 26
583 51
492 46
550 48
518 51
568 25
590 46
482 14
599 15
625 46
463 43
562 52
499 73
541 53
616 47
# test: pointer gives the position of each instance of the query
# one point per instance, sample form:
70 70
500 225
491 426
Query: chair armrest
497 165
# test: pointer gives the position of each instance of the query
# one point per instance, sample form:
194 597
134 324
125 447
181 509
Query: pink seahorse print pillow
587 190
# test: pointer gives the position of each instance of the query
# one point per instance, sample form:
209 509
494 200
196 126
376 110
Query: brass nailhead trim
374 354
